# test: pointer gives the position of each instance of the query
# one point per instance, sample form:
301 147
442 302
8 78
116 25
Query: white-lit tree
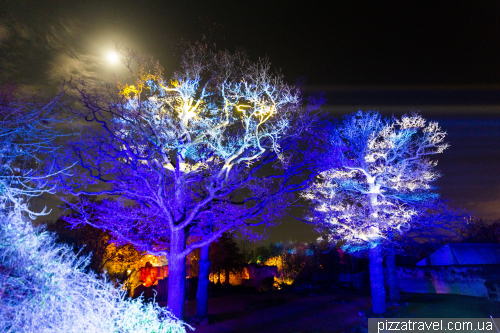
382 182
214 148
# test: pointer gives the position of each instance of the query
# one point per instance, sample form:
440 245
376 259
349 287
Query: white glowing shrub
43 288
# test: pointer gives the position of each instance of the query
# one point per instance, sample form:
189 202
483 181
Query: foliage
322 262
482 231
103 254
299 261
45 289
292 262
262 254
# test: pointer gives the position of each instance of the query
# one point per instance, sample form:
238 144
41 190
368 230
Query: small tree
382 182
481 231
226 257
212 149
261 254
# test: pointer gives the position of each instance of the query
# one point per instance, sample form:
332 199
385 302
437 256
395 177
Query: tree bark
177 274
377 280
390 260
203 283
226 281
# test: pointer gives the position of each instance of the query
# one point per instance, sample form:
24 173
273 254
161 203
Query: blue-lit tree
27 148
43 286
213 149
382 185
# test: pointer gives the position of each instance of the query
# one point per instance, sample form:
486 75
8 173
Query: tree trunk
177 274
377 280
390 260
203 283
226 281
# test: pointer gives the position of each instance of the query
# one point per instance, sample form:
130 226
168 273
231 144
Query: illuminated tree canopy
212 149
385 174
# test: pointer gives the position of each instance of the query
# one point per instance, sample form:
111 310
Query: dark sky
440 57
330 42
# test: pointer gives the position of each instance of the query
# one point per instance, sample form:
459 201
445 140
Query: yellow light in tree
129 89
242 107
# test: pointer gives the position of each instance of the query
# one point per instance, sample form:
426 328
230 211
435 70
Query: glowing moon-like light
113 57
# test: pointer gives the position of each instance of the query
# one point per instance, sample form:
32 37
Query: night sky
442 58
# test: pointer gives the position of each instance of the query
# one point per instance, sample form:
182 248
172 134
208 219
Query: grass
335 312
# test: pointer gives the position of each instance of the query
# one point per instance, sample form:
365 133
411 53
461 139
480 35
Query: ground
332 312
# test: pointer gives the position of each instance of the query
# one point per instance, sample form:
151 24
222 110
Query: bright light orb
113 57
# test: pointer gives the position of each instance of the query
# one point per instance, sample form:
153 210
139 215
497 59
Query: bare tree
383 182
482 231
28 148
212 149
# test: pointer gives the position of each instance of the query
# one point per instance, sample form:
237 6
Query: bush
43 288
